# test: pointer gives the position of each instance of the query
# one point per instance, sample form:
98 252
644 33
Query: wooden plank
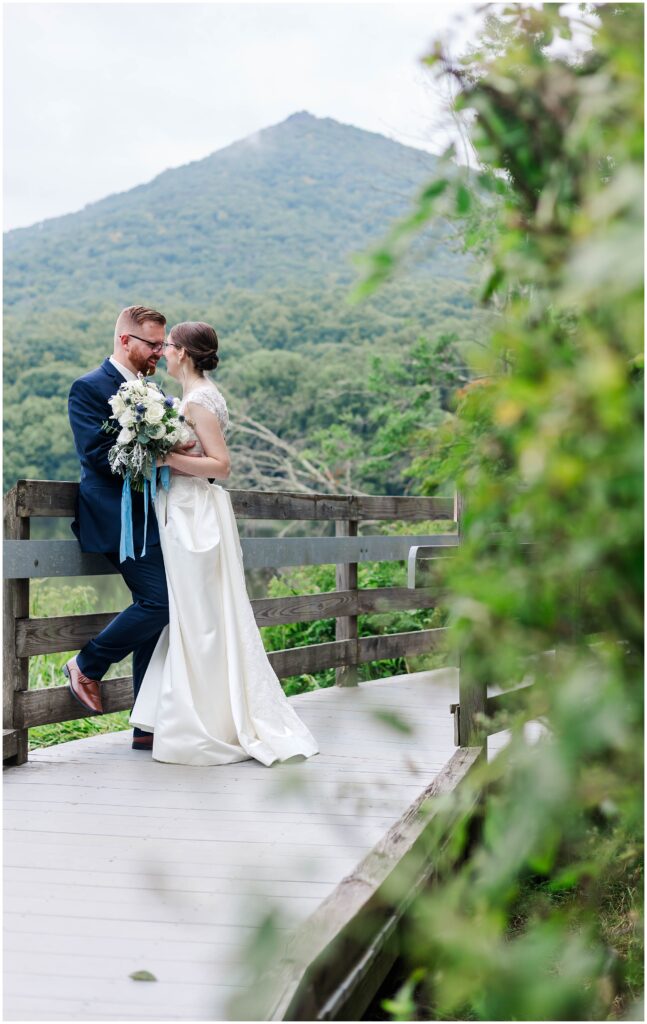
192 958
57 498
396 645
9 743
329 773
325 962
46 497
167 824
162 995
472 690
71 632
472 700
211 872
264 505
382 599
189 952
58 963
227 807
196 908
125 927
346 626
59 633
357 799
34 559
312 658
105 886
15 669
139 851
276 611
56 704
339 652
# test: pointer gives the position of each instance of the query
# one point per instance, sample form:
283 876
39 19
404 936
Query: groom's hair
134 316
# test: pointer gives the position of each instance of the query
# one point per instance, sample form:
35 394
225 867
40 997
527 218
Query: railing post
472 691
346 625
15 670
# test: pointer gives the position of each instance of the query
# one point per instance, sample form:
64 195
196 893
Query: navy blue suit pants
138 627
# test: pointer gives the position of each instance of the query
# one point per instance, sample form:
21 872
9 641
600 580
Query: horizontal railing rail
26 559
57 498
34 559
70 632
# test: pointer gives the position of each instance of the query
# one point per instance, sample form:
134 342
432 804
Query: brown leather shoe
86 691
142 742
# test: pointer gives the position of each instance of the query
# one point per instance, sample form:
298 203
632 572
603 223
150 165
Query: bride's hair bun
206 362
200 342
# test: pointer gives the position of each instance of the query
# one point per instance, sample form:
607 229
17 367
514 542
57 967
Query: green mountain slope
286 206
256 239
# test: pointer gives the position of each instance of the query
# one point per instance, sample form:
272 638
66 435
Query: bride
210 695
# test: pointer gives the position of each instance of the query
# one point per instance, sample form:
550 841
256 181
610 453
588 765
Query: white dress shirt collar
123 370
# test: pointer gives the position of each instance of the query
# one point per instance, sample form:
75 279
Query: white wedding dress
210 695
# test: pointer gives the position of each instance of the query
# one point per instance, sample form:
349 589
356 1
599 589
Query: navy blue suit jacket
98 512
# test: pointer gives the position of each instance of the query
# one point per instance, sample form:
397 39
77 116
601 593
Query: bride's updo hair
199 341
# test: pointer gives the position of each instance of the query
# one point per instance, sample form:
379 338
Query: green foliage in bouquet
540 918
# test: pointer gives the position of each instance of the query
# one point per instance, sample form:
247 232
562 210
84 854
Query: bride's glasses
154 346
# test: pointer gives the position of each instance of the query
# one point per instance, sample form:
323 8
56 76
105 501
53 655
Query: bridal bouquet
148 425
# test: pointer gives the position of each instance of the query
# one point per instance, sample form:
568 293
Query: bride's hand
180 449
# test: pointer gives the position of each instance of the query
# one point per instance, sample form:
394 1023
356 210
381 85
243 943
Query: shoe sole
66 672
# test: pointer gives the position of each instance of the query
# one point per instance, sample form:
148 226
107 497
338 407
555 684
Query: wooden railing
26 559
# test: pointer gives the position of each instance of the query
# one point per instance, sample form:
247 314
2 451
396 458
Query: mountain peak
287 204
300 115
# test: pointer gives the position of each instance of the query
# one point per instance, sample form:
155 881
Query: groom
138 346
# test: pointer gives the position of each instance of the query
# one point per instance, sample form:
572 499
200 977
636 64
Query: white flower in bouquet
154 413
148 424
117 405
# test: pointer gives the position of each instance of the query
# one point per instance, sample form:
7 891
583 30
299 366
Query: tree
541 921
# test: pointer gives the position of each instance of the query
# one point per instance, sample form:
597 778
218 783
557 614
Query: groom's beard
146 366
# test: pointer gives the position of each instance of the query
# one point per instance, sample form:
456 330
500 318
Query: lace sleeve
211 399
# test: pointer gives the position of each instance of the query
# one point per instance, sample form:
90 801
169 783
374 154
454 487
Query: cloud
102 97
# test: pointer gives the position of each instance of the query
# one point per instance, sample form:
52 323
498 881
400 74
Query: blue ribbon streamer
145 515
126 543
126 546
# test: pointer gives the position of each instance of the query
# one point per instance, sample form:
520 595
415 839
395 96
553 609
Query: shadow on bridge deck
115 863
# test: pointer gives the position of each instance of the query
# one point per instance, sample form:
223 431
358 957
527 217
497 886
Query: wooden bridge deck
116 863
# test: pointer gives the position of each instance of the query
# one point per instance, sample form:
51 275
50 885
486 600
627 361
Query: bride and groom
205 692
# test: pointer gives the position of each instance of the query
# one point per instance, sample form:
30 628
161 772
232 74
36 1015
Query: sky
101 97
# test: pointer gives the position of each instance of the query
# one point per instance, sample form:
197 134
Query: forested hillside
258 239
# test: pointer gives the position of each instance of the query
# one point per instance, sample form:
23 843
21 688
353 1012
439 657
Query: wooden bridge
117 864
